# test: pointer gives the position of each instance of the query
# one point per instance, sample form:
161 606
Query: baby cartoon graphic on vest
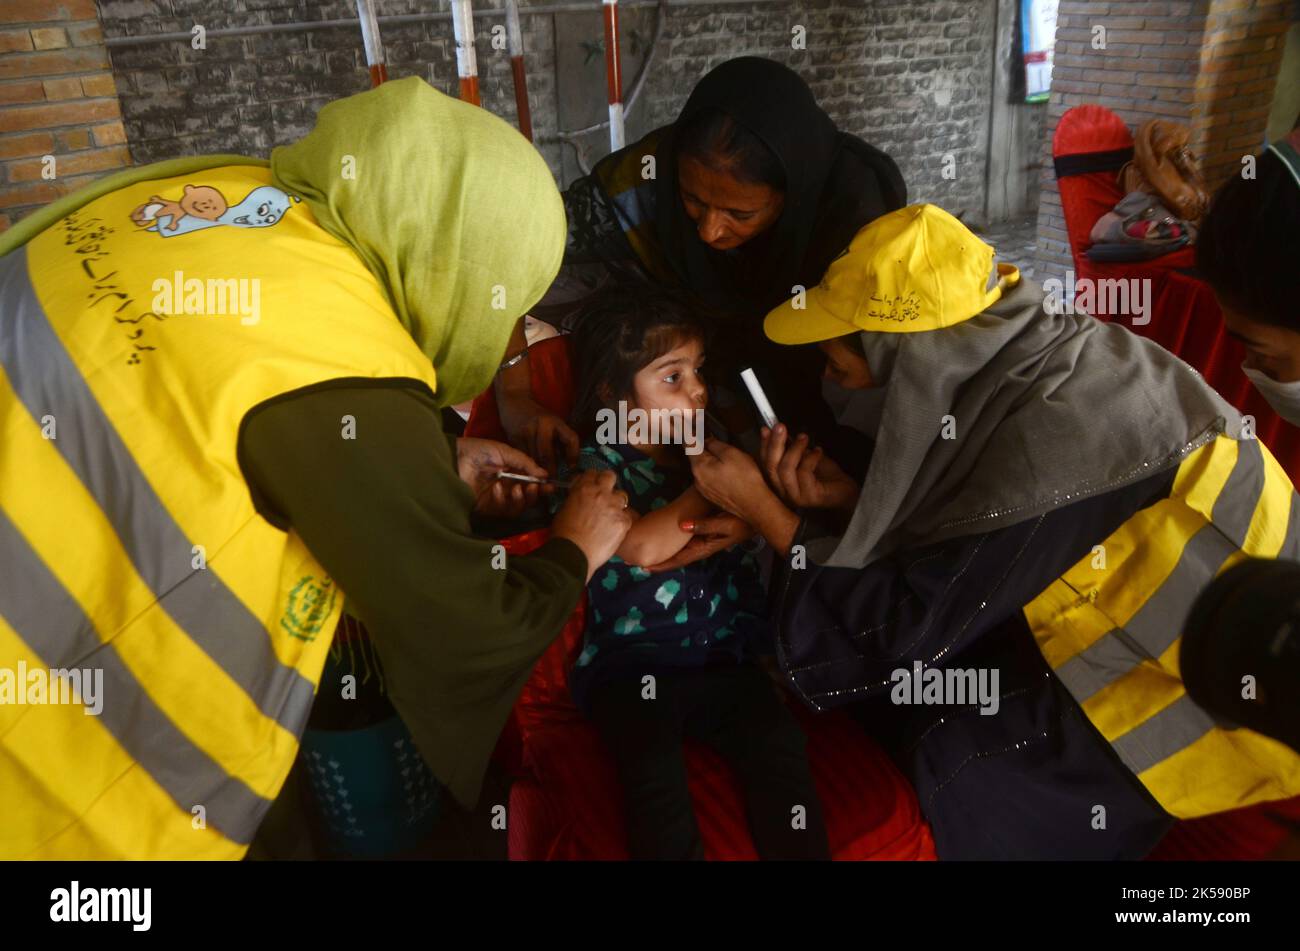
202 206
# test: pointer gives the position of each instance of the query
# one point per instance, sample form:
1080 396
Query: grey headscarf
1047 409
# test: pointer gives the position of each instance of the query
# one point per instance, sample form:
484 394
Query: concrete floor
1014 241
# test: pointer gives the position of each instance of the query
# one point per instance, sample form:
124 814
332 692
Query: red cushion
567 803
1090 128
1085 198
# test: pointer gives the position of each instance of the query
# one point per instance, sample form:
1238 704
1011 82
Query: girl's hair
622 330
717 140
1250 242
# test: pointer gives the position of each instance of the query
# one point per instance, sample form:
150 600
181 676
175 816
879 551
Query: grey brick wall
911 76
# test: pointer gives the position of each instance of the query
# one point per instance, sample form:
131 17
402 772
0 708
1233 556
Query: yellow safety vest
135 336
1111 626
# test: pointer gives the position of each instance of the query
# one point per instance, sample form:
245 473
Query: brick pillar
57 99
1241 56
1146 69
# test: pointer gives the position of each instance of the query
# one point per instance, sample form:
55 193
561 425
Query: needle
519 477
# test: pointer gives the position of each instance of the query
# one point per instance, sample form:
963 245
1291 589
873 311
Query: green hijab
453 211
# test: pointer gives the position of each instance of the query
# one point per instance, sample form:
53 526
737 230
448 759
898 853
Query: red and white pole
370 39
614 76
515 38
462 21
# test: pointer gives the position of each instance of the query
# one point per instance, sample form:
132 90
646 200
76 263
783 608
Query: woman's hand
803 477
537 431
711 535
595 517
477 463
730 479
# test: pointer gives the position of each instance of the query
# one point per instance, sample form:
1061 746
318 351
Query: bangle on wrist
513 360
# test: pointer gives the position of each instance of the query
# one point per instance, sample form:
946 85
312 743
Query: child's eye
672 378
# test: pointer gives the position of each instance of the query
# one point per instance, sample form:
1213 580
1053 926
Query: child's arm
658 536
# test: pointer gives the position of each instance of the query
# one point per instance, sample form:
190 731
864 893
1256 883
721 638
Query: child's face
674 380
845 367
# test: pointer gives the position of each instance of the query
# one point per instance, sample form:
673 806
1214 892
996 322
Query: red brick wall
1240 60
56 98
1210 64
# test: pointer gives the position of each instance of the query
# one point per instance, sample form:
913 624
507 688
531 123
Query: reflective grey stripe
1159 737
1158 622
52 624
47 381
1103 662
1236 504
1291 543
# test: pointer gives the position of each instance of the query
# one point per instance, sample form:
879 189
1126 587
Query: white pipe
462 21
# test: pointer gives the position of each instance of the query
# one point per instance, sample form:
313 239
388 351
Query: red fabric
552 387
1090 128
1085 198
1242 835
567 803
1185 317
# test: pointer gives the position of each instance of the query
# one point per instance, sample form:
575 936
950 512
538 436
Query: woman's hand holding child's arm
731 480
658 535
708 536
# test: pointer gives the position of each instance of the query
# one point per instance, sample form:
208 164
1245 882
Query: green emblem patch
310 602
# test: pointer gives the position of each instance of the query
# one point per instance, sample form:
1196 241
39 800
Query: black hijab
835 184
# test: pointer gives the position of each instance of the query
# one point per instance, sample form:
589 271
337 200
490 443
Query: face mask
1283 397
858 409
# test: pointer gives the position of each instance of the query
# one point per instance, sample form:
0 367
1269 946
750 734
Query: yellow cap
917 268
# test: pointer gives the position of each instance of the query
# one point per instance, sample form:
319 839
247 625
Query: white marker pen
760 398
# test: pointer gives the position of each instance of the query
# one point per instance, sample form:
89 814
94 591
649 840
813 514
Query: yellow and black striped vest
135 335
1111 627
